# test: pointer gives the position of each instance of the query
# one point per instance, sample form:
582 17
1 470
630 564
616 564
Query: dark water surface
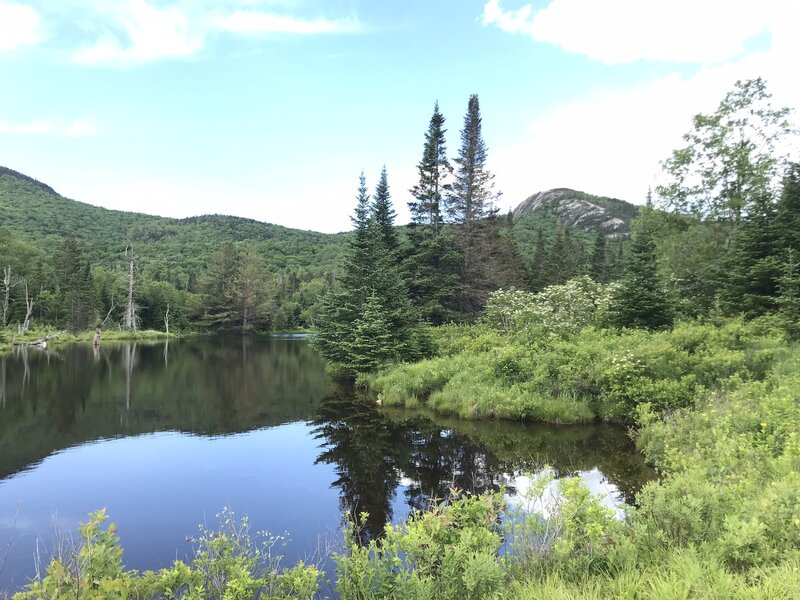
166 436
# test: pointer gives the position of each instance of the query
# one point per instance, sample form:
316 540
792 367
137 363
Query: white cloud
140 31
611 141
257 23
623 31
20 25
40 127
32 128
151 33
81 129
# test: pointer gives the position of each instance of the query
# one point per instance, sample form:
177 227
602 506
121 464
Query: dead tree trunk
166 319
23 329
6 292
130 318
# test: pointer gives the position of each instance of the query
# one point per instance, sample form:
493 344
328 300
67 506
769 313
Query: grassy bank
9 335
594 374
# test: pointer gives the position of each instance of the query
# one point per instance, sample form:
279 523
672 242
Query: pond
166 436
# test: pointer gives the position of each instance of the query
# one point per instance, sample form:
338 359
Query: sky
270 109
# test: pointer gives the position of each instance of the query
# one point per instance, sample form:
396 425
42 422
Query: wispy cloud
32 128
79 128
141 31
258 23
20 25
624 31
149 33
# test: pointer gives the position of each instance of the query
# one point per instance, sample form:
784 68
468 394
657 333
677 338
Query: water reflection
54 400
166 435
378 453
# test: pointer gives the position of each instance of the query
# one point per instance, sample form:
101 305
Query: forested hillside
171 262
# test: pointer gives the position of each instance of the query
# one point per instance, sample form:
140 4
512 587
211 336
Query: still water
165 436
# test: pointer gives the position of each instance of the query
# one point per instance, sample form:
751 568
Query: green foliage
368 319
732 156
447 552
229 564
641 300
558 308
595 373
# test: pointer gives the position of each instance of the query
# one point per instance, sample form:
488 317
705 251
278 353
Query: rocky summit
580 210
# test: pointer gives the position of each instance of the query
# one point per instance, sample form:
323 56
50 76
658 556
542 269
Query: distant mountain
582 211
32 211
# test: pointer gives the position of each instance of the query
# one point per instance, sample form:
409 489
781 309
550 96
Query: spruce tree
472 197
434 170
432 262
599 260
752 263
384 215
787 218
371 275
537 275
640 300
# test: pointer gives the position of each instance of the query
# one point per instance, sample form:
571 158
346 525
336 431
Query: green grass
596 374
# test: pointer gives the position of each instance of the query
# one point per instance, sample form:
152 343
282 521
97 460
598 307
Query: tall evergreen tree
434 170
432 263
370 273
599 259
752 263
75 286
787 218
216 287
641 301
384 215
537 274
472 197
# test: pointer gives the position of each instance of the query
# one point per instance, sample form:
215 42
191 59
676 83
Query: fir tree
752 263
371 273
473 196
787 218
599 259
75 286
538 270
640 301
789 299
384 215
434 170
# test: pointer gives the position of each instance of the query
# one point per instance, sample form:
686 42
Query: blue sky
270 109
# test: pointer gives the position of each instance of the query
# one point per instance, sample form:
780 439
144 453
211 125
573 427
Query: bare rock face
580 210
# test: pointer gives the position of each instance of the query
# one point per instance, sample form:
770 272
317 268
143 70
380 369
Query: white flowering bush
560 308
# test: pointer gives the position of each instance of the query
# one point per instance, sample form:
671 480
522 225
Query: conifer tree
752 263
538 270
640 300
472 197
371 275
787 218
384 215
75 285
599 260
432 263
434 171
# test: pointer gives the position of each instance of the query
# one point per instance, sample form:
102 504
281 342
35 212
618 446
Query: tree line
721 239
